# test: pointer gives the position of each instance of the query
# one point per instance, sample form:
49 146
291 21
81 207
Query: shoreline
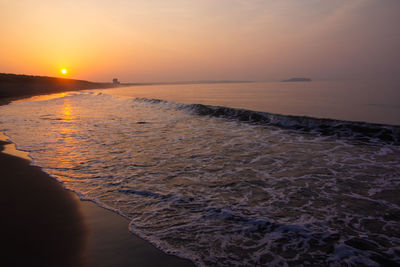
45 224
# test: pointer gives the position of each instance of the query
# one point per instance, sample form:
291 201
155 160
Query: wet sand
43 224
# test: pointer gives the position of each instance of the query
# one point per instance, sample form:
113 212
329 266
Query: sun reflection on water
66 153
67 110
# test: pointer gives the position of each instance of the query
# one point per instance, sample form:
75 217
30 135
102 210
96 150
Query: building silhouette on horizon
115 81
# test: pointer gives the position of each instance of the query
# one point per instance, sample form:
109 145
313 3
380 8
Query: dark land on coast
14 86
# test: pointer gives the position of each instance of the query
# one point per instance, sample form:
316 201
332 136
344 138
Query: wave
361 131
219 191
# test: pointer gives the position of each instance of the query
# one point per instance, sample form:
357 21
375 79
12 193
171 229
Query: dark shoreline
43 224
16 85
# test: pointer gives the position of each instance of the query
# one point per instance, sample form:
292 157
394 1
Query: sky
182 40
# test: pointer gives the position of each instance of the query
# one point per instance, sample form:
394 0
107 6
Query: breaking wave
224 186
362 131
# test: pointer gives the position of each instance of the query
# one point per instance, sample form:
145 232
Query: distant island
297 79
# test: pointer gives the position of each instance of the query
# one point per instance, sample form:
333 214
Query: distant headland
20 85
297 79
17 86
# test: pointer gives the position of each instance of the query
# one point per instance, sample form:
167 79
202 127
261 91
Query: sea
231 174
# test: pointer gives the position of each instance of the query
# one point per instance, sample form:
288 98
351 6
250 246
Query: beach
44 224
219 185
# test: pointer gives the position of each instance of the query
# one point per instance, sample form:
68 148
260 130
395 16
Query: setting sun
230 132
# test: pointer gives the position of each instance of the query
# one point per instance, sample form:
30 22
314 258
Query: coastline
20 85
351 243
44 224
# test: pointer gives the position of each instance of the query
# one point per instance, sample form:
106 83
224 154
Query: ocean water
368 101
221 185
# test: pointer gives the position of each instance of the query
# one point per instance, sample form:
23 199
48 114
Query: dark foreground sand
42 224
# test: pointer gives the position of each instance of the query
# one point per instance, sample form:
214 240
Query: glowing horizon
195 40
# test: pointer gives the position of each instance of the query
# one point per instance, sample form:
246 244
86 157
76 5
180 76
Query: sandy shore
42 224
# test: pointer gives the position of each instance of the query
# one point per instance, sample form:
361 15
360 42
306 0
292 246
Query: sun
64 71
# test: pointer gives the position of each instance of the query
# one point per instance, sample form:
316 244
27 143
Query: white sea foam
219 191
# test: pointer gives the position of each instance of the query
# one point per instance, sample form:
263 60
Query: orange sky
159 40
